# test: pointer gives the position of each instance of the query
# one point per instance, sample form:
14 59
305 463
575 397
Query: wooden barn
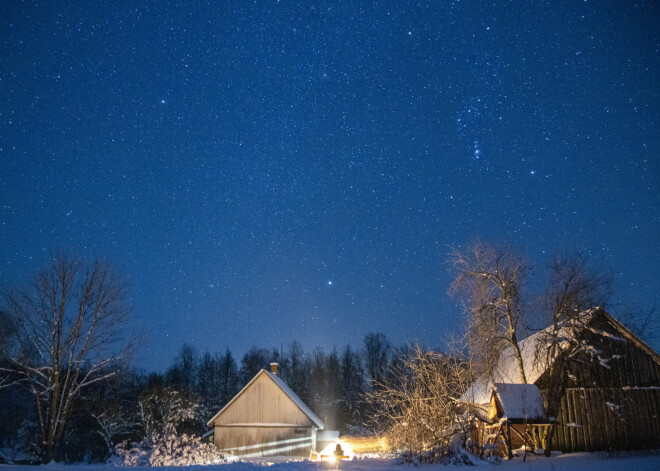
266 418
605 394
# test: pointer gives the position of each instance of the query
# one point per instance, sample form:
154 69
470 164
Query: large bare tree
489 278
66 334
574 289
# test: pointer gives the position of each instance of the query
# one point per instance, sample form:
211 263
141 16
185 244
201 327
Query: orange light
328 453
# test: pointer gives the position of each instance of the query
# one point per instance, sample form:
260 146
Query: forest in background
134 404
68 394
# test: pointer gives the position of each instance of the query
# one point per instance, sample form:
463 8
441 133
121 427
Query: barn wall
608 419
254 441
625 363
263 402
598 419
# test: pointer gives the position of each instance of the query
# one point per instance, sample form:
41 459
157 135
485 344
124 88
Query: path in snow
558 462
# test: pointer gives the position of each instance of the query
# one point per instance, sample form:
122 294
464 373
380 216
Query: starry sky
264 171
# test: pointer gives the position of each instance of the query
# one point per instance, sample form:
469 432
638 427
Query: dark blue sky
269 171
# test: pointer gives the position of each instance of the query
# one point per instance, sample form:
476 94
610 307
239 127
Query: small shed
266 418
516 408
516 402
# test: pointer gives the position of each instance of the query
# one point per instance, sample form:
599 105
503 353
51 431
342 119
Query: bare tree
351 385
489 279
376 351
573 291
183 371
417 403
575 287
66 335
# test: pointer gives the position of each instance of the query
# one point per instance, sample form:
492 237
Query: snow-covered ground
558 462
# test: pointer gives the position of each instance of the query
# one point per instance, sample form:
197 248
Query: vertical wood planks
635 424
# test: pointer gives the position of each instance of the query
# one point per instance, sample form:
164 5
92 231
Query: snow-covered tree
489 278
66 334
416 404
163 411
167 449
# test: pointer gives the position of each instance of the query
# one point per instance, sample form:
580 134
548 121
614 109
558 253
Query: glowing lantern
334 451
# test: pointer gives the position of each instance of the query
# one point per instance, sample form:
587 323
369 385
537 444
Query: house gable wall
263 402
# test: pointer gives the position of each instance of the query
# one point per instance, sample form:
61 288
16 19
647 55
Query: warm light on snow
328 453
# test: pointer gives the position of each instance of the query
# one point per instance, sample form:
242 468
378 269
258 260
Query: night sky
268 171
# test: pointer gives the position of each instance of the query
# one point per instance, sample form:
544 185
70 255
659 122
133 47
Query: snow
558 461
262 424
520 401
168 450
507 370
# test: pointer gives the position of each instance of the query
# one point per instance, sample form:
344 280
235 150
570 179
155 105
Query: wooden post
507 438
547 445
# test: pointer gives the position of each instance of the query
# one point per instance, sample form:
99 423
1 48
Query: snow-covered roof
285 388
507 370
519 401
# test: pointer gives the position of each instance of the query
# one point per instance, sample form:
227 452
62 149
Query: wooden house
266 418
604 396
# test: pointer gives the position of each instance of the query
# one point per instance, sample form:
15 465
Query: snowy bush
167 450
451 452
415 405
165 411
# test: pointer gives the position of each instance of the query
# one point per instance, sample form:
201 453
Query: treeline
133 404
331 383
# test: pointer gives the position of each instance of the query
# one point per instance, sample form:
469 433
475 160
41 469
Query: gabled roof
284 387
627 333
519 401
507 367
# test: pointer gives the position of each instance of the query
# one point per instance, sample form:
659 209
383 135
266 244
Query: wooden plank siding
263 403
262 420
632 421
255 441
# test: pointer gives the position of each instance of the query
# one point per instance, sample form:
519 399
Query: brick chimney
273 368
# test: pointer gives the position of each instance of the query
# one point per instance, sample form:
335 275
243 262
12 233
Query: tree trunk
547 445
519 358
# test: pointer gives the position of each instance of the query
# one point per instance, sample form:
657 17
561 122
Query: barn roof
507 371
284 387
519 401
